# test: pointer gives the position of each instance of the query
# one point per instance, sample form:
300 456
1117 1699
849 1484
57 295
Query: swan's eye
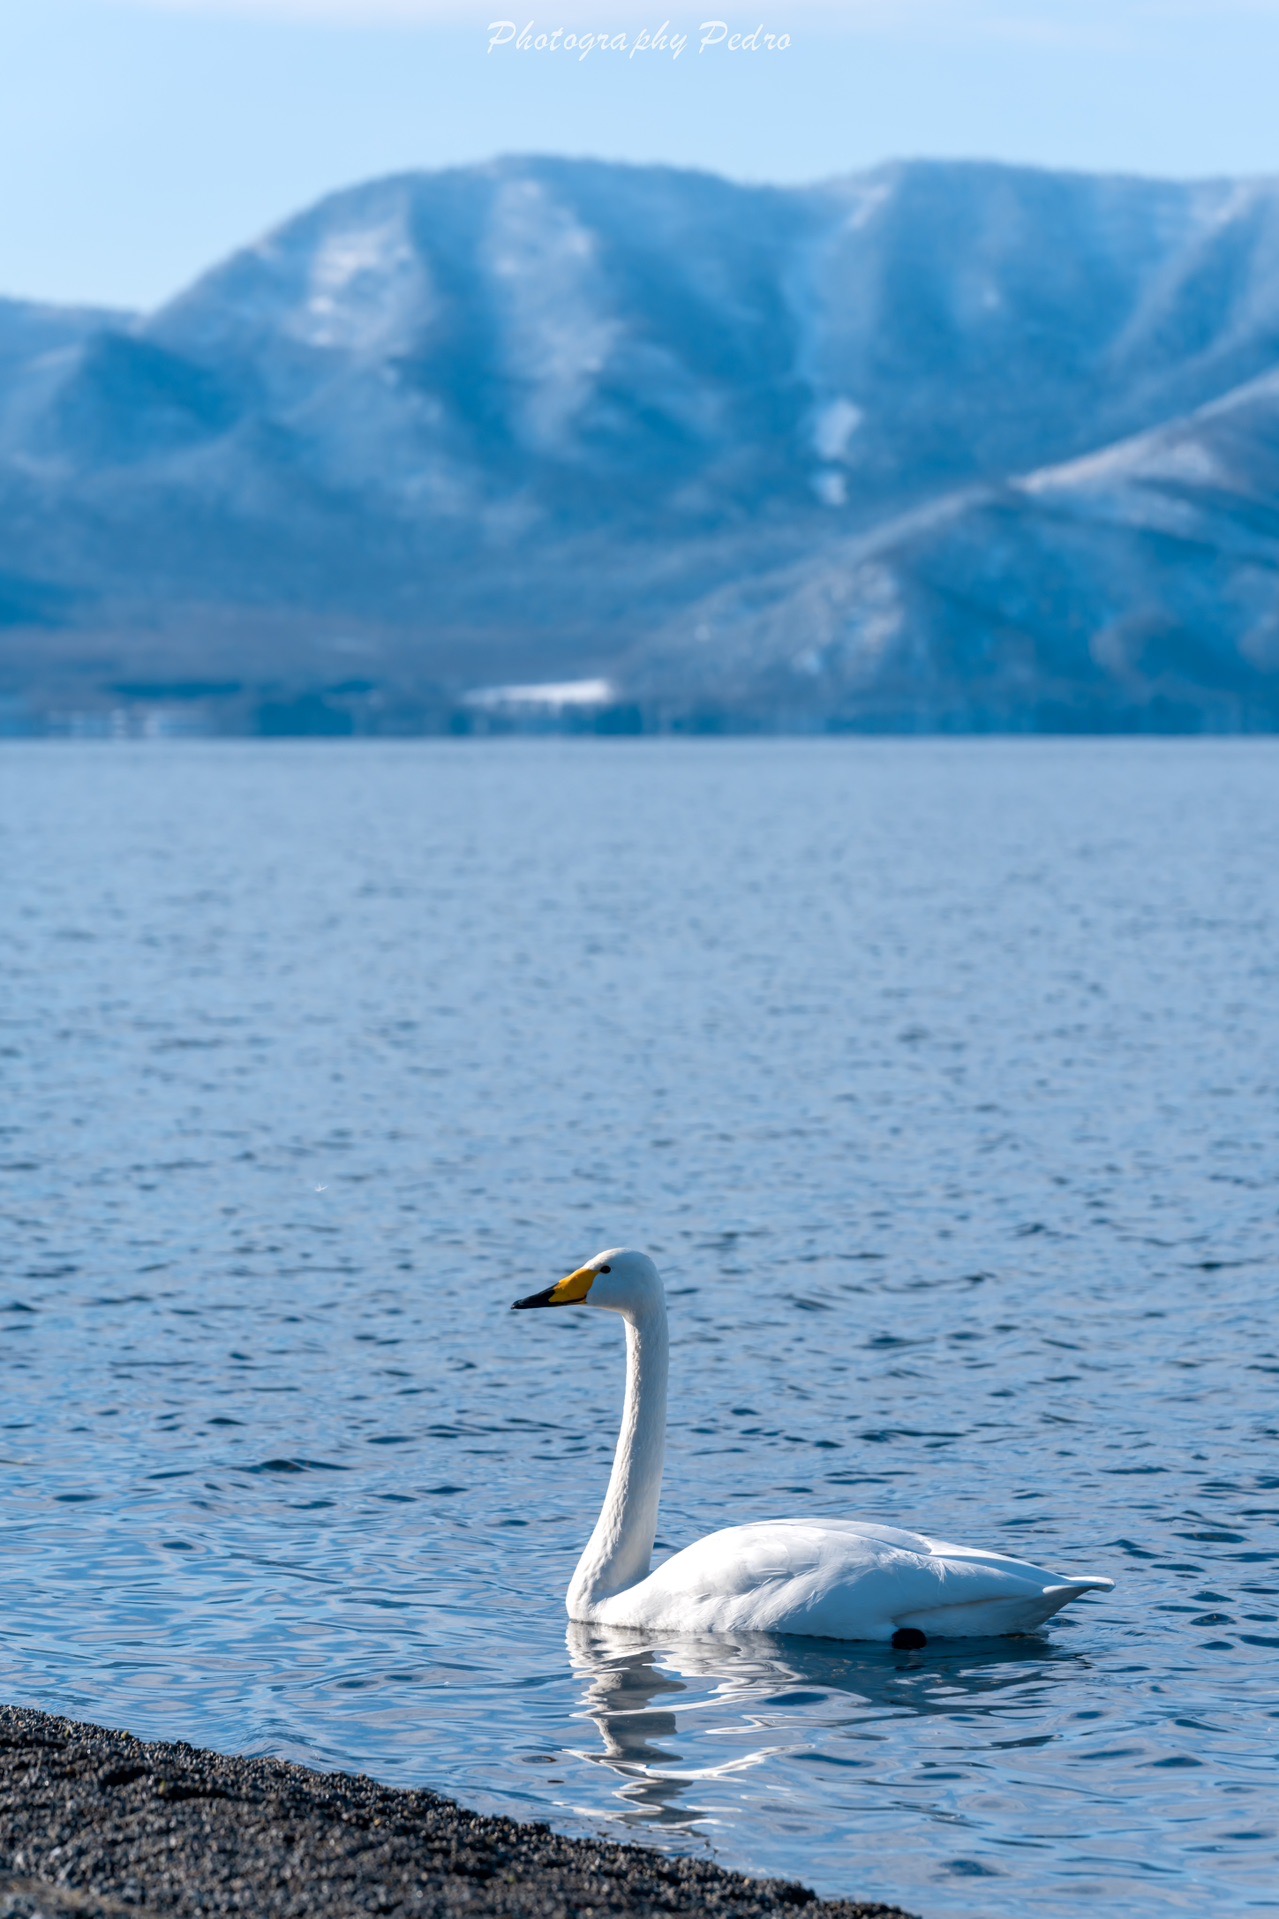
606 1269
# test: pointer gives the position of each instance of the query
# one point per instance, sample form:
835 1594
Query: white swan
827 1578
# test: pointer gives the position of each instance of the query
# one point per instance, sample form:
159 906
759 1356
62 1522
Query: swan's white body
827 1578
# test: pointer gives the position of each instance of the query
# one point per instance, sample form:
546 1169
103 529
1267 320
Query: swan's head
618 1280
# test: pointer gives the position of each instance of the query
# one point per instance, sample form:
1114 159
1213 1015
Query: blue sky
140 140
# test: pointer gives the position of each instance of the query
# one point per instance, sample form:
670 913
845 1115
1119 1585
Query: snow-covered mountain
942 445
1133 588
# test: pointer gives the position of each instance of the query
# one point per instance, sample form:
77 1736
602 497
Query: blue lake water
942 1081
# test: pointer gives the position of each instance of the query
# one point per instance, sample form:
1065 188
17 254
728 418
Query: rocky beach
97 1823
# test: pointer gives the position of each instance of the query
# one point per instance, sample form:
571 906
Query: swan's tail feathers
1001 1613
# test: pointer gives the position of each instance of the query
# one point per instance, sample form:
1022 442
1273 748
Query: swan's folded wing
838 1582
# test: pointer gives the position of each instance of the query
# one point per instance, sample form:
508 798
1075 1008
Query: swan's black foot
909 1639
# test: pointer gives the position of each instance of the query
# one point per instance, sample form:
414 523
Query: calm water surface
942 1082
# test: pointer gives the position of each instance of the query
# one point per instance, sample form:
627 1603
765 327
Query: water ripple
941 1080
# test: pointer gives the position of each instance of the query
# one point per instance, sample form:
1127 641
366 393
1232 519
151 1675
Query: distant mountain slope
1137 587
809 456
35 342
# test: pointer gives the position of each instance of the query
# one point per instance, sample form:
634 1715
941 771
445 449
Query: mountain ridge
882 452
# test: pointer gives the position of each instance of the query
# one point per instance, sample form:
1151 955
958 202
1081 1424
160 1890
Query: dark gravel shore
96 1823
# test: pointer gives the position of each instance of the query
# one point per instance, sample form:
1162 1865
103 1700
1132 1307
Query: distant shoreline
98 1823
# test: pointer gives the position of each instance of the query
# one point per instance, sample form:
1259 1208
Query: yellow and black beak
565 1292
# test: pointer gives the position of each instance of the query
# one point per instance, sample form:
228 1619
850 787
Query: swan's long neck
618 1552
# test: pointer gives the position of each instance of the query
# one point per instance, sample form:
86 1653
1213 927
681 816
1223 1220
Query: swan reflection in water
754 1697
